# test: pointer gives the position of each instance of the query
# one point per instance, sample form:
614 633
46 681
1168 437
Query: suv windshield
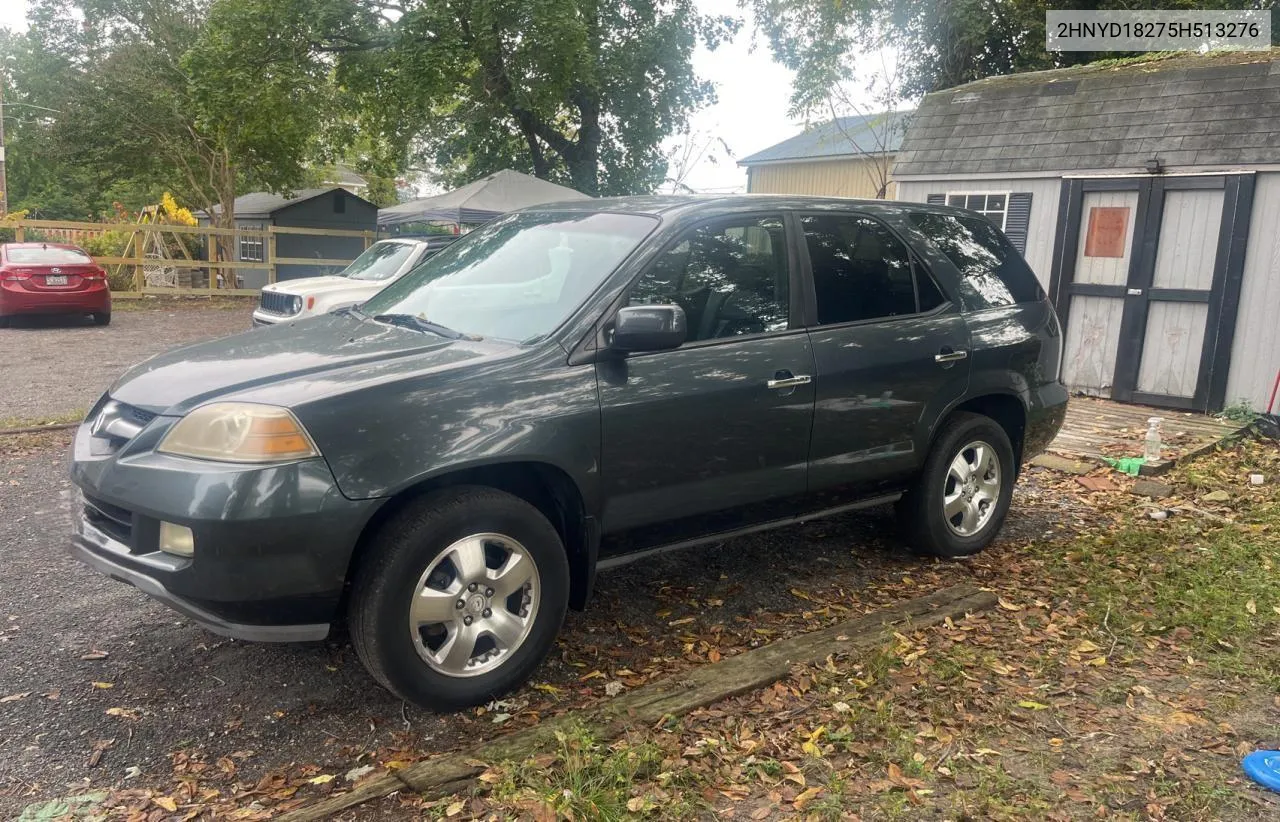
516 278
379 261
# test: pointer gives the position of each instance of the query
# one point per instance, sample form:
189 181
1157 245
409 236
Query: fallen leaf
635 804
454 809
358 773
1251 607
102 686
15 697
806 796
321 779
166 802
1033 706
94 654
1007 605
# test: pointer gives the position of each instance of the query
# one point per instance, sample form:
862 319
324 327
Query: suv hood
323 285
290 363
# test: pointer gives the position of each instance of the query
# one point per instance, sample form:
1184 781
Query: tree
577 91
206 99
942 43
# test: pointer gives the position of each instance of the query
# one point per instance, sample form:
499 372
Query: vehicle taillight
12 274
96 274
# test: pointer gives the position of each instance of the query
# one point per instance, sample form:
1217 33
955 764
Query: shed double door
1146 281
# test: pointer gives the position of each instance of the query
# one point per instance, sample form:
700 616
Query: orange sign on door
1108 226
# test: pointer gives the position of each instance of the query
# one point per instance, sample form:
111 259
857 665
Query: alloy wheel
474 605
972 488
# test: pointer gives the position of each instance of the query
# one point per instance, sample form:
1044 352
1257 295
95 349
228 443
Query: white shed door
1174 337
1103 253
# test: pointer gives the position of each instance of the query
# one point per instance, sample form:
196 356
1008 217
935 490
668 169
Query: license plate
55 279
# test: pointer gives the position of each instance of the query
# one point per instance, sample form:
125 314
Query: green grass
588 780
48 419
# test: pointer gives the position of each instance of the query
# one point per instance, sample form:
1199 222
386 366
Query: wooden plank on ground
672 697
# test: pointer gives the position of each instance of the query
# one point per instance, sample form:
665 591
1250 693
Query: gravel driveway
90 664
58 366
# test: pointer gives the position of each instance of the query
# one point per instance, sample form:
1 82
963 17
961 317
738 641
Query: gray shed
1146 197
328 208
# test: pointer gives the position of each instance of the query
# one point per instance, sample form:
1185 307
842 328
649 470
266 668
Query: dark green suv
568 388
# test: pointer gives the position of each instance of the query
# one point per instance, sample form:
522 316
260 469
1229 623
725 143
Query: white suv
379 266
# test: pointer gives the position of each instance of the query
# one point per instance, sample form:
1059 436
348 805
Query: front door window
730 277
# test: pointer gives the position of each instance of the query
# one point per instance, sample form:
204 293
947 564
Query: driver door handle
947 355
784 379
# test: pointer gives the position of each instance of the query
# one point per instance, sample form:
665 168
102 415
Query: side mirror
638 328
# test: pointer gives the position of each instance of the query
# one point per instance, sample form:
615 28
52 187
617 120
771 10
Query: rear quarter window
992 272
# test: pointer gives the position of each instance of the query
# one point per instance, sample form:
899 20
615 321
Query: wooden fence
136 259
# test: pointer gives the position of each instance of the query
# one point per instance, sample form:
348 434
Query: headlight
295 305
239 432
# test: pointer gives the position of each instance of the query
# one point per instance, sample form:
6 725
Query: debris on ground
1150 488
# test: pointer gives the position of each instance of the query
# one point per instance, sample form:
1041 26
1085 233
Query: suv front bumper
272 543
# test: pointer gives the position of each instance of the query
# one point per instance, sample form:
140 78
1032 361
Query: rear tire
460 598
961 497
102 318
4 322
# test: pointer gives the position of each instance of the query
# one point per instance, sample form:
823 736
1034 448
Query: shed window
251 245
992 205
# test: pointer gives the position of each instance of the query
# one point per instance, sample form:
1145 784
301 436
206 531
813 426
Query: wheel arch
1005 408
543 485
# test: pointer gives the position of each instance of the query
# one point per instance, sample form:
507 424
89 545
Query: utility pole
4 182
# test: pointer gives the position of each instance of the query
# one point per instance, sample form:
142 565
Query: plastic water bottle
1151 449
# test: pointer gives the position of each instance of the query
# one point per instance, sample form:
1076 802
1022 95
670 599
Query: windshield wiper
419 324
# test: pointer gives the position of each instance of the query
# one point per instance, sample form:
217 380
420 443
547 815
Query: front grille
138 415
273 302
111 520
113 423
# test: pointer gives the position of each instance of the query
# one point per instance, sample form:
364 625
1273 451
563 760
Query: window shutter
937 199
1017 220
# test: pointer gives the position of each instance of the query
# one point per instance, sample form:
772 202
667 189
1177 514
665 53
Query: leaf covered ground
1123 675
1128 666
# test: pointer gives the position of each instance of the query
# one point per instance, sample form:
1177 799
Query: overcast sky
751 113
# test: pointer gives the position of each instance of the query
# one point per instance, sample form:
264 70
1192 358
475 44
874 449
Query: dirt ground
57 367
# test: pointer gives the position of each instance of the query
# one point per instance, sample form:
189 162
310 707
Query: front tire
962 495
460 599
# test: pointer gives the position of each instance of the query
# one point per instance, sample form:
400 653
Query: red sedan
51 278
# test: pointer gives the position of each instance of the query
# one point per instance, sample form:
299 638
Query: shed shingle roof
843 137
1190 110
261 204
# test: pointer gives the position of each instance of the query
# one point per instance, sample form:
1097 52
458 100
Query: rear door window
992 272
862 271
